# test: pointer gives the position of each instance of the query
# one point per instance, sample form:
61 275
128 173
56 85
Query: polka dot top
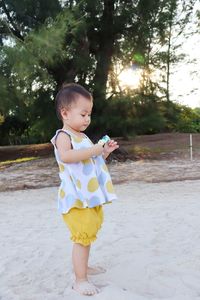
83 184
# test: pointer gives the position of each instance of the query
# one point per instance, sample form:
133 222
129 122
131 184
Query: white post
191 154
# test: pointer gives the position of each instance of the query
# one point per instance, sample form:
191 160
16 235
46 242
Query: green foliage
145 114
119 116
2 120
150 119
129 115
11 130
40 50
188 121
45 43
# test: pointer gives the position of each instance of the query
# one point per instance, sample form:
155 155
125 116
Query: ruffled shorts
84 224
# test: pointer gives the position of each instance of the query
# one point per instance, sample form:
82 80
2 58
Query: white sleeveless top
83 184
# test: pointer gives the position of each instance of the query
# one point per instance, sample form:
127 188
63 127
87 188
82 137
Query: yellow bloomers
84 223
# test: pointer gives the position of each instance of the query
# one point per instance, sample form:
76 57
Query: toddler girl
85 181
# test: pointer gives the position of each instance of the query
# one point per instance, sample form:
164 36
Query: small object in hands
104 140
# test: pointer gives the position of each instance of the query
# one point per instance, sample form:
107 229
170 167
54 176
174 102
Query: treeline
122 116
45 43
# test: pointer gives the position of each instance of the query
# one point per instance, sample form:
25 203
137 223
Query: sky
183 81
185 75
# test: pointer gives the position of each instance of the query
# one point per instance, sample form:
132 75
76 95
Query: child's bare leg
80 255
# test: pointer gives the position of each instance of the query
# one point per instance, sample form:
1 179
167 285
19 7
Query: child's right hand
98 149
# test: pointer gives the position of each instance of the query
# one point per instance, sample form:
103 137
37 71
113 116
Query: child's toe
85 288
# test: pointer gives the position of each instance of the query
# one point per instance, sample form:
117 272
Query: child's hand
110 146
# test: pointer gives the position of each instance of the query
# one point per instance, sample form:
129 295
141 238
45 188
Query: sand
149 244
43 172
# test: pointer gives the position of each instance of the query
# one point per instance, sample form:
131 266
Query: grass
145 150
18 160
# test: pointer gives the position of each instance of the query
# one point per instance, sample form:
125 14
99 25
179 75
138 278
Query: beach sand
149 244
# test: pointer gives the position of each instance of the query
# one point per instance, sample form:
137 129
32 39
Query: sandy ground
44 172
149 244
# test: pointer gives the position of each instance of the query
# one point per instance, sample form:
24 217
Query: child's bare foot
85 288
95 270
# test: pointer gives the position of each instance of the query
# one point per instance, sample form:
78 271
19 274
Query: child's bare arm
105 154
69 155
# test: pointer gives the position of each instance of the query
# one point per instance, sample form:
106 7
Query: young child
85 181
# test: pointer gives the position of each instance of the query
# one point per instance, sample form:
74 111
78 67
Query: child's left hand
110 146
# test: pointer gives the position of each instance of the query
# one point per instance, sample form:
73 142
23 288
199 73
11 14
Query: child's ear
64 113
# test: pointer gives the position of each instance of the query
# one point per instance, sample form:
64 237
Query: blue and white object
104 140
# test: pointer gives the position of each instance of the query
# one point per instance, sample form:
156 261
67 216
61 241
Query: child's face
78 116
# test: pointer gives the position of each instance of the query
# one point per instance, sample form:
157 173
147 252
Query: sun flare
130 78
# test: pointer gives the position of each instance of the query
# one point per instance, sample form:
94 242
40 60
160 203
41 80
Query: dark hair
68 94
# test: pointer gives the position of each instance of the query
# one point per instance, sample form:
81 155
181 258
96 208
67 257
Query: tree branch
14 28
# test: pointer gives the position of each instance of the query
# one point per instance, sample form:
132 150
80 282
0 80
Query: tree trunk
104 53
169 57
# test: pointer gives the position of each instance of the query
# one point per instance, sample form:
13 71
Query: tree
175 18
45 44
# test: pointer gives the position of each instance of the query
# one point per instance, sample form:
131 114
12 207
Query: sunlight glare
130 78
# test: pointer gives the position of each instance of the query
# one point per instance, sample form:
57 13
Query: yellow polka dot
78 203
77 139
86 161
104 167
78 183
62 193
61 168
93 185
109 187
